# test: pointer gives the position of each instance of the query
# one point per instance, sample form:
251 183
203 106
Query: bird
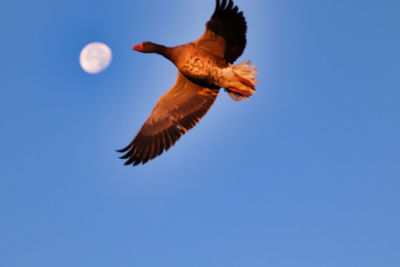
204 67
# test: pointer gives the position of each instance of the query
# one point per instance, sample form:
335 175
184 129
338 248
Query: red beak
138 47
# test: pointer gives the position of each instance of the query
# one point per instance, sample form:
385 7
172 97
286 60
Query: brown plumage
204 66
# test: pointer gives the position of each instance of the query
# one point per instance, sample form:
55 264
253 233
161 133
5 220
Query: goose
204 66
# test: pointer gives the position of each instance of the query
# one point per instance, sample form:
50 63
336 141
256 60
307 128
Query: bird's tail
245 74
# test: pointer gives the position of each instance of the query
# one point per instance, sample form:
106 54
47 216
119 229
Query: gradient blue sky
306 173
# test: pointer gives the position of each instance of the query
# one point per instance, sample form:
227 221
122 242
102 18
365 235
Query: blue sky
306 173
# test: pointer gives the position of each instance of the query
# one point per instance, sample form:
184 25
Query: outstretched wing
176 111
225 34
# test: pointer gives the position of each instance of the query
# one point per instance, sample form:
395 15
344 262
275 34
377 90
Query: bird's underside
189 99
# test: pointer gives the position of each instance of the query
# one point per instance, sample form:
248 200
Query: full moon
95 57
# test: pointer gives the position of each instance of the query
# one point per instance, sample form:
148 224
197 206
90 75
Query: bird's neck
167 52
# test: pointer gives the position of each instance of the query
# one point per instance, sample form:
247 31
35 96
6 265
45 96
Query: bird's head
147 47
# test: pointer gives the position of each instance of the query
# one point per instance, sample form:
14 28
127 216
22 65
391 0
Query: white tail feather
245 71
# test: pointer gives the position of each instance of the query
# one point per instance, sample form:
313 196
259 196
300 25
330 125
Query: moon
95 57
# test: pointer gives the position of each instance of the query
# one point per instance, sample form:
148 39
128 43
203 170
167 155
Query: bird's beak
138 47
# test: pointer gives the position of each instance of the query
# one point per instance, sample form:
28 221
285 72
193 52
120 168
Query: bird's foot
237 94
245 81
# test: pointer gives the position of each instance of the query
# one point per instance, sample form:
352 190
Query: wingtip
223 5
122 150
230 4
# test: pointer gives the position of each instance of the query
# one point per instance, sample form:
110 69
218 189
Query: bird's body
194 62
200 65
205 66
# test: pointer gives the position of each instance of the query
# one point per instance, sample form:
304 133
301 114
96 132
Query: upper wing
176 111
225 35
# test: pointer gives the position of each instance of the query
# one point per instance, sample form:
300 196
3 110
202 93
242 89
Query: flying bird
204 66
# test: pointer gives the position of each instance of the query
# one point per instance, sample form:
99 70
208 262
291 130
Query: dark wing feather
176 112
225 35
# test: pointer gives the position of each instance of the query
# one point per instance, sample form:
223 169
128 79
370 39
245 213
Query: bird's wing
176 111
225 34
